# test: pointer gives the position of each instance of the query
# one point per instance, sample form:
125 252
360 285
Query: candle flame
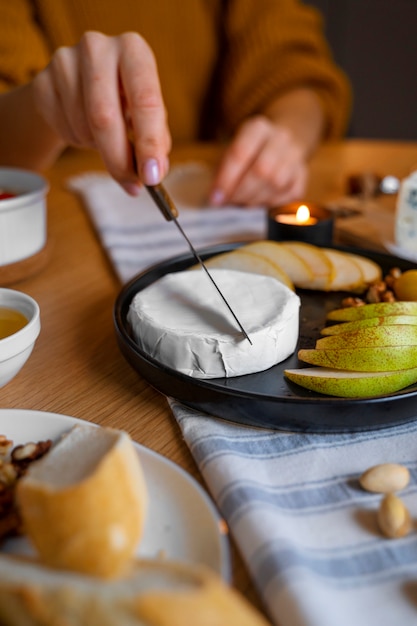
303 214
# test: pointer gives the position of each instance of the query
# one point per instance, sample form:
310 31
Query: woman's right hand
93 93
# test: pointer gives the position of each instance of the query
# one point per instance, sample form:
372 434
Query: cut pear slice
377 309
371 271
394 335
347 384
315 258
368 322
297 269
246 262
347 274
380 359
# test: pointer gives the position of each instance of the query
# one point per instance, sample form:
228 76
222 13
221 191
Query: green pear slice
394 335
379 359
347 274
347 384
298 270
368 322
378 309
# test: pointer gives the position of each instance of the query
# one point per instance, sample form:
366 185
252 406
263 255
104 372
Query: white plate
182 524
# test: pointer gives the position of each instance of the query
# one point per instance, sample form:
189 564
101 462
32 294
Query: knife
168 209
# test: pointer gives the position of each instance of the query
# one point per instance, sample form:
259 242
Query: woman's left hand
263 166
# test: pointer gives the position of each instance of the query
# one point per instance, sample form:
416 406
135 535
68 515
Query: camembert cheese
181 321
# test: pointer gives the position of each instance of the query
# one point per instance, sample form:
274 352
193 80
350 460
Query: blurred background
375 42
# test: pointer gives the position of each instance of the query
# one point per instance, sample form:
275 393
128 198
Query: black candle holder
319 233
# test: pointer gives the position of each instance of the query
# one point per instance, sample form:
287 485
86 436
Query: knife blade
168 209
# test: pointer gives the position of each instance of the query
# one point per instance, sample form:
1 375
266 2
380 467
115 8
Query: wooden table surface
76 367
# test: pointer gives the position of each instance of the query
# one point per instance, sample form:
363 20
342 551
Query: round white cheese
182 321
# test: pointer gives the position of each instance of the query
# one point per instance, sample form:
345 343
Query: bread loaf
83 505
154 593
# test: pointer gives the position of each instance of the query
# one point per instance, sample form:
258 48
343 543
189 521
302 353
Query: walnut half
14 462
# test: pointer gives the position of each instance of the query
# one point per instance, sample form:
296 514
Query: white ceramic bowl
16 349
22 218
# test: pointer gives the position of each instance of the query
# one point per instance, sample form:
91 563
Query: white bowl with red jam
20 326
23 223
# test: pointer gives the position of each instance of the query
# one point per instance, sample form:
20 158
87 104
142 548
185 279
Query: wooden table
76 367
330 170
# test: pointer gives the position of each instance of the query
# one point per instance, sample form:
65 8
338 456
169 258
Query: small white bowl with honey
19 328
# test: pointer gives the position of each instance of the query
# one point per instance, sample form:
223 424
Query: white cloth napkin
305 528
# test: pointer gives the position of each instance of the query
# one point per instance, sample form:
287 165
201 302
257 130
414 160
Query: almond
393 517
385 478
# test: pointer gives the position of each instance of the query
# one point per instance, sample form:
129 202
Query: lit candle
302 217
310 222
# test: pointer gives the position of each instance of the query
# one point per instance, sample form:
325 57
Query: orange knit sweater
219 60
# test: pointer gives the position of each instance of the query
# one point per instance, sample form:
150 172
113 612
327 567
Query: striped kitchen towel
305 528
134 233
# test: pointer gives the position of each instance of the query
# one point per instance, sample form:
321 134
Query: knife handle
163 201
159 195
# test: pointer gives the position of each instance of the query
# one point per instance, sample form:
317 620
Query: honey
11 321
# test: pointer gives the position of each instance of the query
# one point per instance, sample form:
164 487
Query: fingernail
217 197
132 189
151 174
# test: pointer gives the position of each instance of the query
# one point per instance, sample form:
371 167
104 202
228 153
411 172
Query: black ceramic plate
266 399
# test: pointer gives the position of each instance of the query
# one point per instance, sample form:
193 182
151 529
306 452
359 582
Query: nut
374 294
13 464
385 478
5 446
393 517
388 296
23 452
379 292
392 275
23 455
352 301
8 473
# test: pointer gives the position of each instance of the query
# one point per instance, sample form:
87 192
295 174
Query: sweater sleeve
275 46
23 51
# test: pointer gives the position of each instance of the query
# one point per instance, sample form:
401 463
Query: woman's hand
92 93
267 161
263 166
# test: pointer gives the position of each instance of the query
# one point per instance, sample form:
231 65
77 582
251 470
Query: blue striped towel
136 235
305 528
